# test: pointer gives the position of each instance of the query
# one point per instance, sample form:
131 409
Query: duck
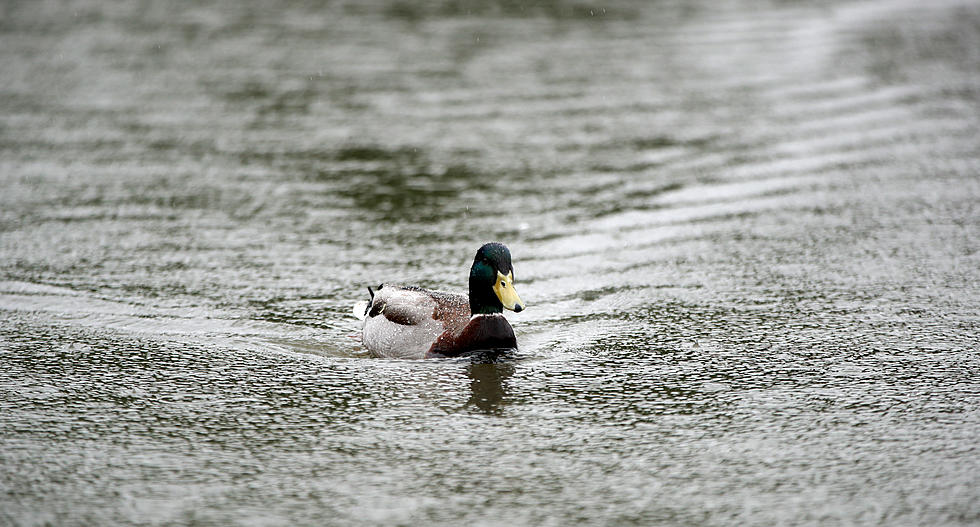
415 323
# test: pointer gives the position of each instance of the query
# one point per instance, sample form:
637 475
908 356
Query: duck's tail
360 309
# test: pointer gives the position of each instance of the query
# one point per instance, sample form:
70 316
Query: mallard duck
411 322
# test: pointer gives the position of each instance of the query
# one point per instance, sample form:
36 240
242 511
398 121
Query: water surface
746 235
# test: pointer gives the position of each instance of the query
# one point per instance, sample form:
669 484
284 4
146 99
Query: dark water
747 237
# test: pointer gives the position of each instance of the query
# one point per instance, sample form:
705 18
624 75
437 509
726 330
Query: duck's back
404 322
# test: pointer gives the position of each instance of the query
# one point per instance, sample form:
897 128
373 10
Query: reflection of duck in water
487 388
411 322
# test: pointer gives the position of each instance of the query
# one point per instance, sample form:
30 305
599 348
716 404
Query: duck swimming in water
411 322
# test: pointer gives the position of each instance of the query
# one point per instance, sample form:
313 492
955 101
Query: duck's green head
492 281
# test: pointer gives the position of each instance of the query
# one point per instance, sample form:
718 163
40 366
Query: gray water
746 234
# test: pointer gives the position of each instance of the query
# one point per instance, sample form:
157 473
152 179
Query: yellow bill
504 288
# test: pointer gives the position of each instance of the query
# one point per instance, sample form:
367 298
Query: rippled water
746 234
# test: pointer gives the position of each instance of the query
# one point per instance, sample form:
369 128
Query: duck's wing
405 306
405 321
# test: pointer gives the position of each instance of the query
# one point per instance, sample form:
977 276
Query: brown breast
482 332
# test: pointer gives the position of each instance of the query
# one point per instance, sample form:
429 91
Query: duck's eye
503 284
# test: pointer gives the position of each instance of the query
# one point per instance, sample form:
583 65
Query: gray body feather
403 322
